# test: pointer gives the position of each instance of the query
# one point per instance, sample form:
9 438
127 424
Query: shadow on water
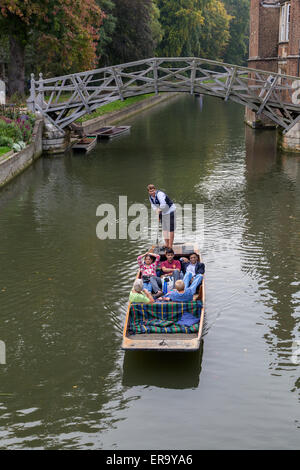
176 370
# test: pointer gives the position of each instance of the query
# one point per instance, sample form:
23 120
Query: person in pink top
148 271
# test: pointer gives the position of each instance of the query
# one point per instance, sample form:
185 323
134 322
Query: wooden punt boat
100 131
167 341
86 144
113 132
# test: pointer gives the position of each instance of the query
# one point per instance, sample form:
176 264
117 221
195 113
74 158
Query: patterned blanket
163 317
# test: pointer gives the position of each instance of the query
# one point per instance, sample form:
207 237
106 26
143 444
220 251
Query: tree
65 33
237 49
107 30
198 28
181 22
214 33
133 36
156 27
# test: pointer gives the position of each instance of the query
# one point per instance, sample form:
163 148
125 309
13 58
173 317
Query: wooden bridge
62 100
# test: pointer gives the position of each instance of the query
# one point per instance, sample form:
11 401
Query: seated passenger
192 266
139 295
148 270
171 267
182 293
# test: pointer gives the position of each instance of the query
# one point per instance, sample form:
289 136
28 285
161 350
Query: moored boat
115 131
86 144
100 131
158 326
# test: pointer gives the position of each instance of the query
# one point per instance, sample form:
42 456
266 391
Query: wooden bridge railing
62 100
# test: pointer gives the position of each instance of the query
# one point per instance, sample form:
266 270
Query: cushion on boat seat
163 317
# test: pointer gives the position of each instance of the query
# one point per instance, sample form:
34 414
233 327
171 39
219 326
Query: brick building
275 36
275 46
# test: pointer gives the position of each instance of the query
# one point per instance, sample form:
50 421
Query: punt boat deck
112 131
180 341
86 144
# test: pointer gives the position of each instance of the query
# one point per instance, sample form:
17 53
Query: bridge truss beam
63 100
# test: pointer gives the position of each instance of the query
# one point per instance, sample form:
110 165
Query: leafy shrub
6 141
5 119
19 146
17 99
11 130
11 112
15 124
25 124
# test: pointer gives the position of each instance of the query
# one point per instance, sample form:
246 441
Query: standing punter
166 209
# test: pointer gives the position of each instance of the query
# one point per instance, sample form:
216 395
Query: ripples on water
64 293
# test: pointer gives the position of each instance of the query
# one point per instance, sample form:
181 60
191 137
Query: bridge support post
55 141
155 75
40 96
31 99
256 121
290 141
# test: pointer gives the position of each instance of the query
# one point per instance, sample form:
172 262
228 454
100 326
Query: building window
285 14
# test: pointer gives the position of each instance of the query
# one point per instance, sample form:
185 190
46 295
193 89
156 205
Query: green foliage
4 149
64 34
181 22
133 38
15 126
214 33
107 30
17 99
6 141
18 146
238 46
10 130
156 27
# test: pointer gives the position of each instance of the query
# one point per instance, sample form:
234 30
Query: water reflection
270 246
164 370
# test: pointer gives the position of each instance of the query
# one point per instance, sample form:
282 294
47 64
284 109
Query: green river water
66 383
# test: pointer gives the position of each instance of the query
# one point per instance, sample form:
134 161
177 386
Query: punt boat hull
86 144
167 342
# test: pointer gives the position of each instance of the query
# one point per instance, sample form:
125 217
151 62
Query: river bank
114 117
53 142
13 163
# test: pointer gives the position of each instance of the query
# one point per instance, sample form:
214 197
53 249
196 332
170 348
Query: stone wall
14 163
88 127
291 140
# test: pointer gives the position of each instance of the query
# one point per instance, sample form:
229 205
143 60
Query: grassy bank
115 106
4 150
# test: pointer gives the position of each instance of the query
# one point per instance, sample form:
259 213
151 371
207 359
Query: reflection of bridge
64 99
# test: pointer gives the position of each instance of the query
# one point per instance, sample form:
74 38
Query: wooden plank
267 96
232 79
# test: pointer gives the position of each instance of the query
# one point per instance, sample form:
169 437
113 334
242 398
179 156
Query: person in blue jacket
192 267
